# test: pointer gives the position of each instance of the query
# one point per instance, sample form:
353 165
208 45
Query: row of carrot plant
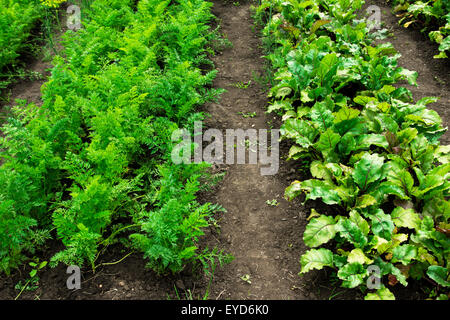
373 153
91 166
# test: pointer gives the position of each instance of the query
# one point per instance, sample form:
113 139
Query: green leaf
402 179
293 191
436 36
283 92
327 141
387 89
303 111
304 97
430 183
320 171
387 188
357 255
384 107
442 154
442 170
353 126
365 201
368 170
427 100
406 218
427 224
441 55
424 256
296 152
279 105
445 45
188 252
388 268
382 224
317 24
320 189
335 169
427 117
319 231
380 294
362 224
352 274
347 194
321 116
299 130
439 274
404 254
316 259
366 140
364 100
437 207
405 136
381 244
347 144
33 273
288 114
410 76
283 74
352 232
339 261
345 113
422 151
313 214
328 68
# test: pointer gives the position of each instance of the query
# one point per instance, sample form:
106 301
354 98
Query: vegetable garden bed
87 178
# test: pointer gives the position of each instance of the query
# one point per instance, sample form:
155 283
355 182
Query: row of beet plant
92 165
433 18
374 154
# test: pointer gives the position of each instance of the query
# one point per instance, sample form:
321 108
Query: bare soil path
264 239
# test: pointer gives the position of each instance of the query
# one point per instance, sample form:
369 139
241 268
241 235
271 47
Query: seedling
246 278
32 283
242 85
248 144
272 202
210 260
248 114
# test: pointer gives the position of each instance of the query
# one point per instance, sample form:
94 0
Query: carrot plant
17 19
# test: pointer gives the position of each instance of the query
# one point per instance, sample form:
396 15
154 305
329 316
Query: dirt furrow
264 238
